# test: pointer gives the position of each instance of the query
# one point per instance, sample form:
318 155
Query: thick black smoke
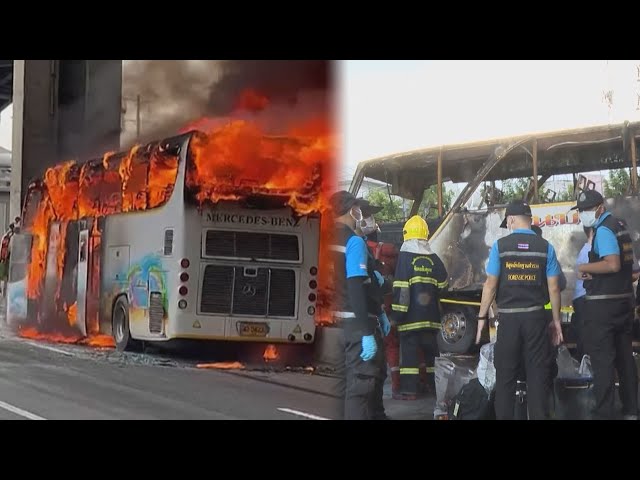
174 93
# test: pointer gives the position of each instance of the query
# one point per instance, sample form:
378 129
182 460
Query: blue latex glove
379 277
369 348
385 324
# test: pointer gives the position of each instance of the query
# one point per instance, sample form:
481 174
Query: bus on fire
153 245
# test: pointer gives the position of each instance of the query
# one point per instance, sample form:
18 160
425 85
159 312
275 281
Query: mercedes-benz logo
249 290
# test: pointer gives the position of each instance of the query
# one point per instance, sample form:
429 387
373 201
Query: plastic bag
585 367
486 369
568 367
451 374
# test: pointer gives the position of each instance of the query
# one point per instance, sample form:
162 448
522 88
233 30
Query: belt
616 296
521 310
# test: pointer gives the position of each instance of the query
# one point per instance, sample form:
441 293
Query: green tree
617 183
429 207
391 207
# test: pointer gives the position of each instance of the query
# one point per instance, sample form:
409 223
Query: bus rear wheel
458 334
120 324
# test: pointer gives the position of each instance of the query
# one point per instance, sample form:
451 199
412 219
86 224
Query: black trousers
577 324
523 341
608 341
410 342
361 383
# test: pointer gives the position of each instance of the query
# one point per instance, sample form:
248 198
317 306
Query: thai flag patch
523 246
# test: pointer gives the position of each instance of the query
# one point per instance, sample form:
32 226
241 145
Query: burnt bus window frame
97 165
203 246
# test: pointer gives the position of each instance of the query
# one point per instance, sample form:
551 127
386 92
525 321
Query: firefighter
522 275
355 310
419 279
609 307
367 228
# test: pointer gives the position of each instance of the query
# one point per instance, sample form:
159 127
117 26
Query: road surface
57 382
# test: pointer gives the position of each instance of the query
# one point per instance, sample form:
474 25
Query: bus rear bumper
241 329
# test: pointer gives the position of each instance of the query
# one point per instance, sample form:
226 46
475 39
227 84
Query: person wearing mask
356 306
608 307
386 255
368 227
420 278
577 319
522 276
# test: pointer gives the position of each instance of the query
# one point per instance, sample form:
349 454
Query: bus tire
120 325
458 333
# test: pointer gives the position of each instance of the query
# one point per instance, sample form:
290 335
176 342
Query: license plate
253 329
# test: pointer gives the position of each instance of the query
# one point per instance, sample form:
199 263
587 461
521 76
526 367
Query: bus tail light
311 310
182 304
312 297
183 290
313 271
313 284
184 277
184 263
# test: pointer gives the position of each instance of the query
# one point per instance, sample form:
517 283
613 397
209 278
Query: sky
390 106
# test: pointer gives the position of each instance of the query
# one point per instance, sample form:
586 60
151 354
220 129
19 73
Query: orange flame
238 159
222 365
270 353
72 313
34 334
102 341
252 100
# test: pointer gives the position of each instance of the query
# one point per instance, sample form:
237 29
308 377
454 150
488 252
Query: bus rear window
252 245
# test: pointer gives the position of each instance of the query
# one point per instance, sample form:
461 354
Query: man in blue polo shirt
609 307
522 276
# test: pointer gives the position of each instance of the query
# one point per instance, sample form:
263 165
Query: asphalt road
51 382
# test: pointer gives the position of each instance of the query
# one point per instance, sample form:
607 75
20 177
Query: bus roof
595 148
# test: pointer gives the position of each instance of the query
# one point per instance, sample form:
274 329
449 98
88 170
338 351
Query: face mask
368 226
356 214
588 219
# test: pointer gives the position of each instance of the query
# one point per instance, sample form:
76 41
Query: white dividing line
52 349
19 411
302 414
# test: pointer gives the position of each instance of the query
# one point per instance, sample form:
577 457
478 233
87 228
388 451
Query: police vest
609 286
523 273
340 301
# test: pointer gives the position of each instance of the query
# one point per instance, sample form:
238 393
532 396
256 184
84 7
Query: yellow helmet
415 228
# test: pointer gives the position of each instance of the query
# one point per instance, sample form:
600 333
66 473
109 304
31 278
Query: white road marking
19 411
302 414
52 349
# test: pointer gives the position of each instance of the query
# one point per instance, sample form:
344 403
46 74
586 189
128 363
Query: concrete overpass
62 109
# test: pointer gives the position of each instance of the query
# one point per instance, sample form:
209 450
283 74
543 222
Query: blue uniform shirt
493 266
606 242
356 253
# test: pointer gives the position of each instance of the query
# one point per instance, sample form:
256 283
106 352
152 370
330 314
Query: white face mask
368 226
588 218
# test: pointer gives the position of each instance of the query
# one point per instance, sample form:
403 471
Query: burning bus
548 170
203 236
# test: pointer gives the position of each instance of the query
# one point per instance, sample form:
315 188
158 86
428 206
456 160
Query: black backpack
472 403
